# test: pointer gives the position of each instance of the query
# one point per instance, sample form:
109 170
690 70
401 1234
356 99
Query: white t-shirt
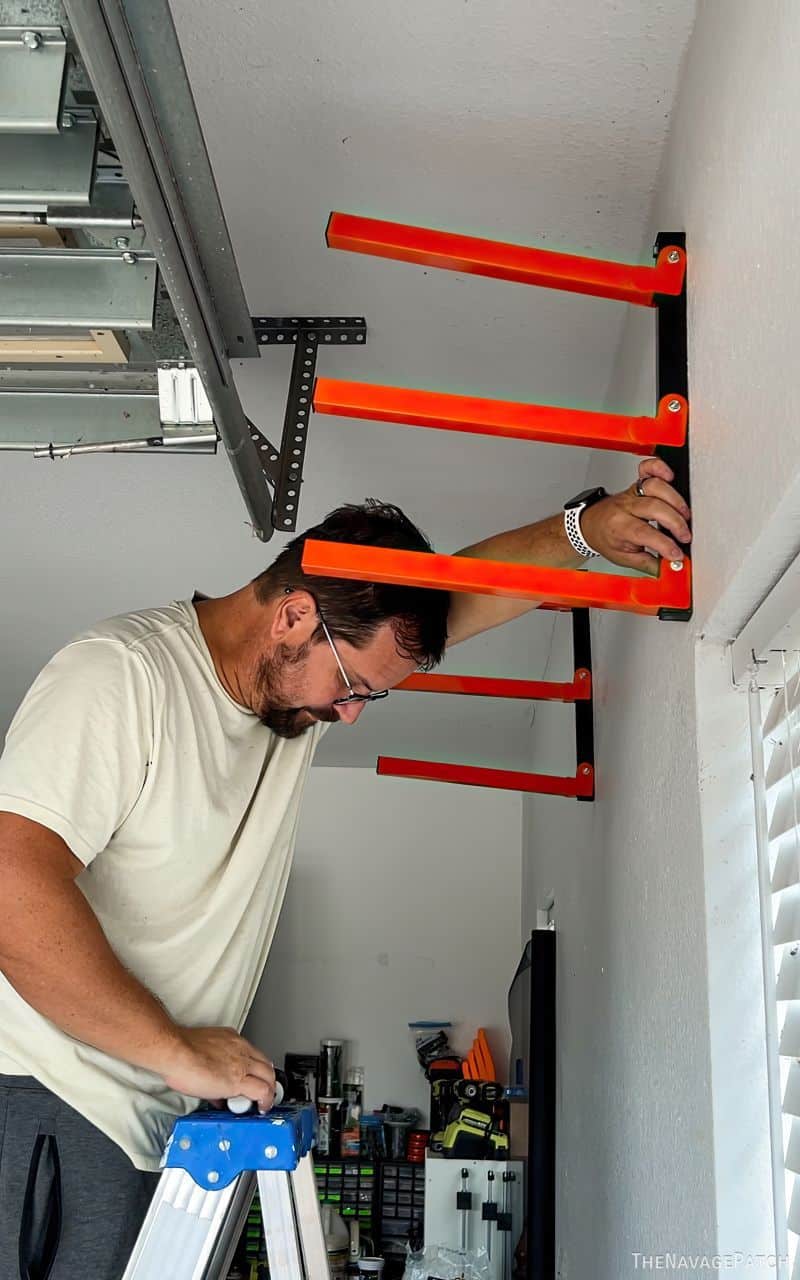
183 807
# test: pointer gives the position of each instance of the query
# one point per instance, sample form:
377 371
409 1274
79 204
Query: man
149 799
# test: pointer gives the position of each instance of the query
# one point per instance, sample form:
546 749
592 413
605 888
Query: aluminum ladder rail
211 1166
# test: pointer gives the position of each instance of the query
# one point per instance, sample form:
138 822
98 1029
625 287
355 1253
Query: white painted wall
662 1110
403 904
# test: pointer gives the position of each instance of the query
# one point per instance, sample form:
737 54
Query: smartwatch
572 519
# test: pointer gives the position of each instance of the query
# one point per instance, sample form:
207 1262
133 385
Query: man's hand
618 527
54 953
216 1062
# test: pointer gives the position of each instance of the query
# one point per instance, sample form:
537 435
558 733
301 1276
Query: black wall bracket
584 708
284 467
672 375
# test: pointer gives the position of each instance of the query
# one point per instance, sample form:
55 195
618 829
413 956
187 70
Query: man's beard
280 715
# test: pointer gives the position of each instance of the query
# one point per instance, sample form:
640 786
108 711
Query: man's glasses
352 695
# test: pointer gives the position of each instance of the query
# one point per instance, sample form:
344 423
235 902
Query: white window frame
759 663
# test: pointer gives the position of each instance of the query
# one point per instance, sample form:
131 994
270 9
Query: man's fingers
642 561
261 1071
638 534
256 1055
260 1091
654 509
655 467
660 489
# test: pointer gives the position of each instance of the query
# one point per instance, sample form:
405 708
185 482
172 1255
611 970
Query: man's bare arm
56 956
617 528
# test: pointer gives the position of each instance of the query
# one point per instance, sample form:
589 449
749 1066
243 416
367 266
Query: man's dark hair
354 611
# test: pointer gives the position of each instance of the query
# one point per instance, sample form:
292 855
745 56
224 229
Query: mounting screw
674 406
213 1176
32 40
676 565
121 242
185 1144
130 258
67 121
673 256
270 1152
225 1144
586 769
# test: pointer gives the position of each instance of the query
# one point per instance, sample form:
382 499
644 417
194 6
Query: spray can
353 1106
329 1129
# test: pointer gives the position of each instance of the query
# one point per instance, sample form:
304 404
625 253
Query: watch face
585 499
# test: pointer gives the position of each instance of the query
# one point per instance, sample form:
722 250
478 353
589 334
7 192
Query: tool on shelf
464 1208
489 1212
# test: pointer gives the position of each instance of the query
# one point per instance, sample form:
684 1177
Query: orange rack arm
577 690
617 280
546 423
565 588
505 779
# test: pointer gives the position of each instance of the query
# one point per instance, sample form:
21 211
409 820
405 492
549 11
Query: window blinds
775 727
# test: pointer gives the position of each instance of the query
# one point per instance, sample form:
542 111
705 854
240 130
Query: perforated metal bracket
306 334
267 453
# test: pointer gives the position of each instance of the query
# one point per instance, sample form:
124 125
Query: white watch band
572 528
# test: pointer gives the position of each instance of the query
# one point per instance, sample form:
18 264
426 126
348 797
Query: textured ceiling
527 121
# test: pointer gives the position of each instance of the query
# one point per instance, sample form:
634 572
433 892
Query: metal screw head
185 1144
67 121
31 39
224 1144
586 769
213 1176
674 406
270 1152
676 565
121 242
673 256
130 258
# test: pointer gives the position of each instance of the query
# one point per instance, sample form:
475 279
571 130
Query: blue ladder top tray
214 1147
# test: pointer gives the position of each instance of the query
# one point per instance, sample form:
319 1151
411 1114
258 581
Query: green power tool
471 1134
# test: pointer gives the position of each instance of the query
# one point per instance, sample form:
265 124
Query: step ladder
212 1165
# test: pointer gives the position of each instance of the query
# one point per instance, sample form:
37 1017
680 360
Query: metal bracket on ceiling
130 53
306 335
32 73
56 413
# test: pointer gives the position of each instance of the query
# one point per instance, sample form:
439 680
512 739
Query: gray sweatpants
71 1202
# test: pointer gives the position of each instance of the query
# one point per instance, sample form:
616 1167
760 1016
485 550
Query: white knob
241 1105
